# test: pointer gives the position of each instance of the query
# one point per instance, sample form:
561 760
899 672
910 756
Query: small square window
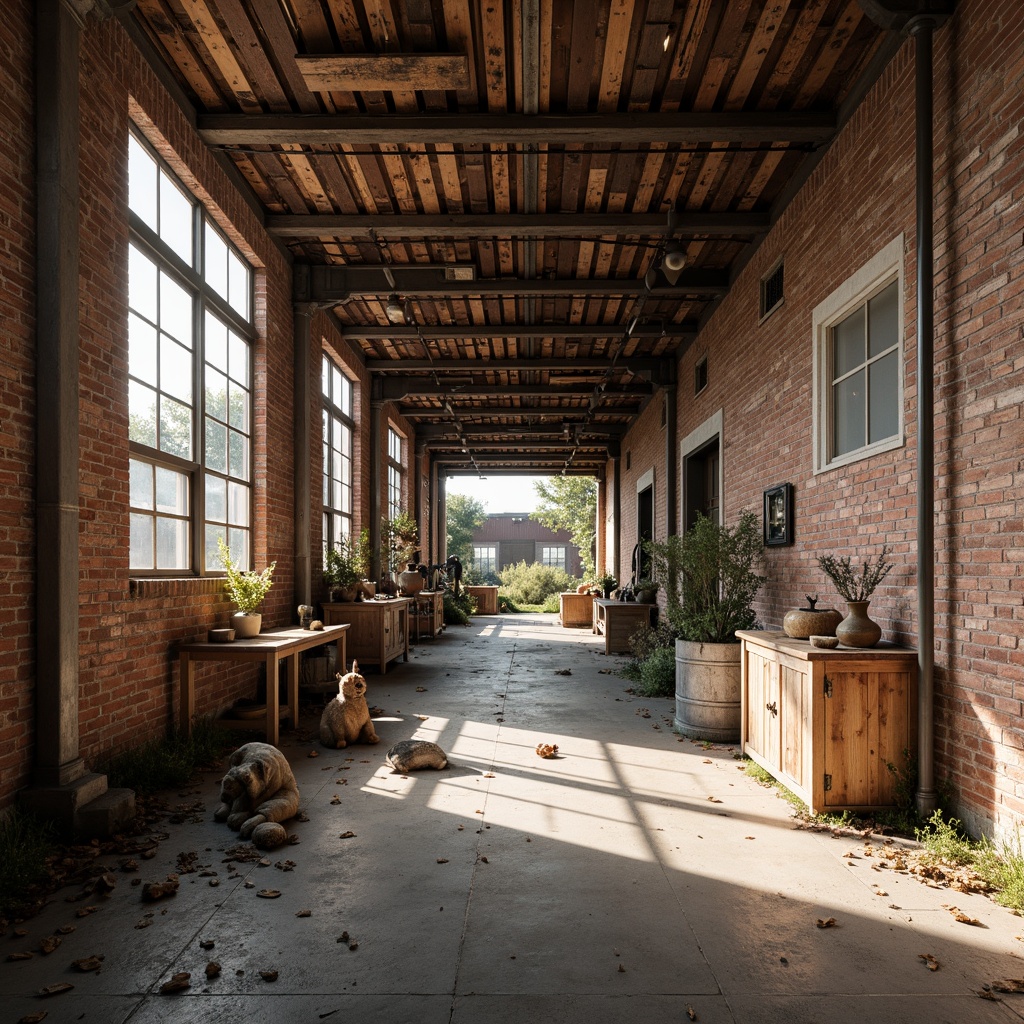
771 291
700 375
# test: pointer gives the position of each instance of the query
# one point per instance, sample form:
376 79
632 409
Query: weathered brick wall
858 199
17 400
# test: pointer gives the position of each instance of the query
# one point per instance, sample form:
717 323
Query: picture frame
778 515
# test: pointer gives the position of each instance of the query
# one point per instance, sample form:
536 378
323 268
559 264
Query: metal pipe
301 333
922 30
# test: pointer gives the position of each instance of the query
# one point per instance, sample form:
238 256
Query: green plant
946 841
658 674
531 583
551 603
664 556
854 586
904 780
717 580
246 587
25 844
458 608
347 563
400 540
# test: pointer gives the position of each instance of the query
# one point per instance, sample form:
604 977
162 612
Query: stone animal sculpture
259 786
346 719
414 755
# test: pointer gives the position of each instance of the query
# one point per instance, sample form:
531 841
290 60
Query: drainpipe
922 29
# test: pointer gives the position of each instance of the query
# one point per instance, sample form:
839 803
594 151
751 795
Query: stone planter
708 691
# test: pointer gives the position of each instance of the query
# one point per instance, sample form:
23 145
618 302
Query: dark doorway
700 476
645 531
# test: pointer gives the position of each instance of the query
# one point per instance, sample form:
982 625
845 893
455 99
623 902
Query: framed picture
778 515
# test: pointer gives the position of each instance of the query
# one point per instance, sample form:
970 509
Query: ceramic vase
246 624
857 630
410 581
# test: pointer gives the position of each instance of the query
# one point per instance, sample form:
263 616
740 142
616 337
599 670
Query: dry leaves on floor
827 922
347 835
691 1013
88 963
303 913
929 961
178 983
268 975
547 749
57 989
213 969
269 894
1008 985
959 915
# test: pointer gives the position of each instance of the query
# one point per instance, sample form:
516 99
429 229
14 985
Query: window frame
333 410
544 556
192 278
491 564
396 472
882 270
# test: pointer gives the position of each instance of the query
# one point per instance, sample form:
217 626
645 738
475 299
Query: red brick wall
859 198
17 400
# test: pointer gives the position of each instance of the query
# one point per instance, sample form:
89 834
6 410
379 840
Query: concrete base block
106 815
85 807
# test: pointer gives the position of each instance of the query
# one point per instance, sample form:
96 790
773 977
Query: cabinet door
795 724
763 732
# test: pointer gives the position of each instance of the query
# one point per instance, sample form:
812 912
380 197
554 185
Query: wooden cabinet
486 599
427 611
576 610
619 620
380 629
825 723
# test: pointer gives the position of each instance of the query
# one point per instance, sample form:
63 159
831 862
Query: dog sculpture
346 719
259 786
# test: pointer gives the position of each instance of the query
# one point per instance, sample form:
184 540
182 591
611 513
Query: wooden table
380 629
618 621
270 647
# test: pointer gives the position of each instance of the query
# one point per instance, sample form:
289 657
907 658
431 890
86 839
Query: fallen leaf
178 983
707 760
442 860
563 671
826 922
49 944
269 894
484 860
959 915
714 800
749 837
422 718
929 961
691 1013
65 929
343 937
88 963
313 753
20 956
268 975
303 913
335 799
33 1018
55 990
622 970
547 749
153 891
988 995
206 944
353 946
213 969
421 689
489 775
347 835
85 911
1009 985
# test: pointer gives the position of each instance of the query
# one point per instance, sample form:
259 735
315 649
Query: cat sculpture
346 719
414 755
259 786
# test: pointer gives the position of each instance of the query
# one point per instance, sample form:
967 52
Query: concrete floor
636 878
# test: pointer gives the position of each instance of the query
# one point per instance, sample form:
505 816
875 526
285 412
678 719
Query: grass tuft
25 844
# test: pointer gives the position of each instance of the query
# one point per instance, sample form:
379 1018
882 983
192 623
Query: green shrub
506 604
551 604
532 583
25 844
658 674
171 762
457 610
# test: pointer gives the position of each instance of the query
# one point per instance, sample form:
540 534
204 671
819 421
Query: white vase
246 624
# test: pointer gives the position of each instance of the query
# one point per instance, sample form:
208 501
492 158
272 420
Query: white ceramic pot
246 624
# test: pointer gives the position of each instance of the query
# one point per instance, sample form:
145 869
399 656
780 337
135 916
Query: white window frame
487 563
396 472
878 273
197 510
549 557
337 393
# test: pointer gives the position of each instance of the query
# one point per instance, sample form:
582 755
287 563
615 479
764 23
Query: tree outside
570 503
465 516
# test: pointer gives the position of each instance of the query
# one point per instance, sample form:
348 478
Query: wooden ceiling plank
798 40
283 46
687 44
492 23
723 54
315 37
458 28
758 48
308 180
257 182
279 180
500 180
252 54
384 72
219 49
830 52
330 172
768 165
354 167
401 189
707 177
643 199
616 45
163 27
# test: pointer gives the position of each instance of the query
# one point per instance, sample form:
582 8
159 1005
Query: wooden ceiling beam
383 72
637 128
486 332
473 226
393 389
448 431
530 414
634 364
332 285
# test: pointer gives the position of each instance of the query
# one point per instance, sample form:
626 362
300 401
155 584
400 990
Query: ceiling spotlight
395 310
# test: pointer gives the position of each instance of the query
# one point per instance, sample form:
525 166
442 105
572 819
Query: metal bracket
828 687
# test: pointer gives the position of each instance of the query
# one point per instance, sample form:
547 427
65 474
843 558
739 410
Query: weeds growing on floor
25 844
171 762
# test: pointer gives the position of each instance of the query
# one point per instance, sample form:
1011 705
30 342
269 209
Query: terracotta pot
857 630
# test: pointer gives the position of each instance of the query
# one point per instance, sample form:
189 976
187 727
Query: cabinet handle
773 708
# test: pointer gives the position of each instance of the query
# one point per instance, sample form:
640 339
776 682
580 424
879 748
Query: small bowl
220 636
827 642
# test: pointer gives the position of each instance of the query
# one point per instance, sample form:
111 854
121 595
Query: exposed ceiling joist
337 284
427 432
636 365
399 390
635 128
484 332
473 226
513 416
554 446
357 72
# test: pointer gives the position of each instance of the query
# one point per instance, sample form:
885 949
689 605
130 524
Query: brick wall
859 198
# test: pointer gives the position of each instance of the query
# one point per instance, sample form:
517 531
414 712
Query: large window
859 354
189 379
485 558
338 428
553 555
395 473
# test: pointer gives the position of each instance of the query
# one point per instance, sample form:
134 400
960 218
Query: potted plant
646 590
400 538
247 589
607 583
716 585
345 567
856 588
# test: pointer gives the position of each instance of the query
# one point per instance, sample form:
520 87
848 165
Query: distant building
510 537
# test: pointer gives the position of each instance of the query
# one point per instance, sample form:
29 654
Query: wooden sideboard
380 629
576 610
427 611
486 598
826 722
619 620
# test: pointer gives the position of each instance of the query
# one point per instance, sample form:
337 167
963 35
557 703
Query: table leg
341 653
405 611
273 722
186 693
293 688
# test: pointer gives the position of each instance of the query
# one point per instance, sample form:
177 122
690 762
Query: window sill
175 586
891 444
